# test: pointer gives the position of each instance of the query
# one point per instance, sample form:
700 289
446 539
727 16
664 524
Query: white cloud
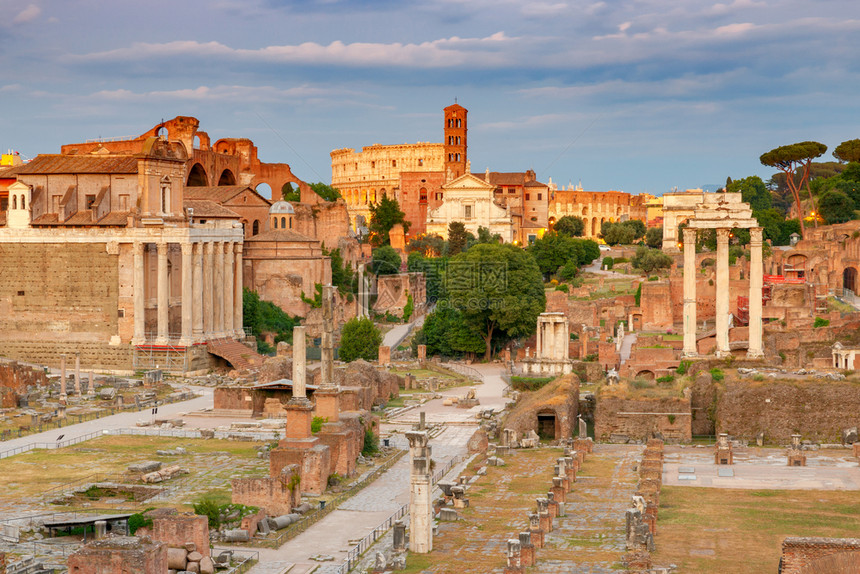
28 14
226 94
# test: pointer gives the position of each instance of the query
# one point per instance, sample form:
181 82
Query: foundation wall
820 555
637 419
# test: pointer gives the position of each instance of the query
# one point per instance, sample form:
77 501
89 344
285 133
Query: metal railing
247 559
463 370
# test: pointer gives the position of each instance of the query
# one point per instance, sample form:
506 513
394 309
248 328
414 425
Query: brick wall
119 555
58 292
818 410
175 531
815 555
638 418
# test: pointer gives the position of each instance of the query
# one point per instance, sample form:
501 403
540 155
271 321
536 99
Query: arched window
255 229
283 222
23 201
14 202
274 223
291 222
459 123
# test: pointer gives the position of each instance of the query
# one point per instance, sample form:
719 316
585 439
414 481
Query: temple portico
723 212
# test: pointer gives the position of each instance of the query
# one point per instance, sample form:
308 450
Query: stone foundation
812 555
120 555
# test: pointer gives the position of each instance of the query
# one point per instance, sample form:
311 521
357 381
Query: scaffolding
169 357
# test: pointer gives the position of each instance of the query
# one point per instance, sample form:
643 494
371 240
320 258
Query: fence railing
246 558
295 529
463 370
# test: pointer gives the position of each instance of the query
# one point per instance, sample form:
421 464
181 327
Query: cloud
441 53
28 14
232 93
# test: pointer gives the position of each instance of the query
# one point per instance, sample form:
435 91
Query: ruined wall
816 555
15 379
817 410
58 292
271 494
119 555
327 222
559 397
176 531
638 418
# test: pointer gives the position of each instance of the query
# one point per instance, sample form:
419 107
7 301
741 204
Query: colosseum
596 207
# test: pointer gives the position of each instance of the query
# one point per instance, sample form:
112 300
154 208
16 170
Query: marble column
187 294
327 355
690 349
78 374
238 280
197 293
163 295
218 290
421 493
229 291
756 278
208 313
299 364
63 376
722 289
139 290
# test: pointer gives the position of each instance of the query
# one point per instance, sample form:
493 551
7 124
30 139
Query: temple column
722 289
228 290
197 294
218 290
187 293
138 288
163 295
690 349
756 278
238 280
208 312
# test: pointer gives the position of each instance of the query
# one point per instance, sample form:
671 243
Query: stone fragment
194 556
176 558
207 566
144 467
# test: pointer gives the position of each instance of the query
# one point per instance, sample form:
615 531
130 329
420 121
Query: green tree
484 236
289 193
408 308
638 227
836 207
569 225
261 317
617 233
429 245
507 297
650 260
360 339
385 261
446 333
325 191
342 275
383 216
458 237
791 158
553 250
753 191
848 151
654 237
432 268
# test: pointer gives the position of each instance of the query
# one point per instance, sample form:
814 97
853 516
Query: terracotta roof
281 235
84 218
56 163
205 208
503 178
115 218
46 219
534 184
216 193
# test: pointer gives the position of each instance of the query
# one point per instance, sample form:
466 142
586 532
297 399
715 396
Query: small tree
458 237
790 158
569 225
654 237
836 207
383 216
360 339
289 193
650 260
385 261
848 151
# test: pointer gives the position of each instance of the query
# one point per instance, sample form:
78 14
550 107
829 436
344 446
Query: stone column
690 349
722 288
63 376
229 291
420 496
299 365
756 278
208 312
327 337
92 388
78 374
238 280
218 290
138 287
163 295
187 294
197 295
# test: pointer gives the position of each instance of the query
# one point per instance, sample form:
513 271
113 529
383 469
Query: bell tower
454 144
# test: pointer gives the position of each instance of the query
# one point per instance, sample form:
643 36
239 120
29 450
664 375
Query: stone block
384 355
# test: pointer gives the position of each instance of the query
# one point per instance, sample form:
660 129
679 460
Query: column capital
237 246
187 248
137 247
723 234
689 234
756 235
162 247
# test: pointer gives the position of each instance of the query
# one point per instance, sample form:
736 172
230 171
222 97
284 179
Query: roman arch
723 212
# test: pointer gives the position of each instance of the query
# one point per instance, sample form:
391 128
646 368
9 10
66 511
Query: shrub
529 383
654 278
563 287
620 260
207 506
371 443
408 308
671 419
360 339
821 322
639 383
317 423
590 358
683 367
717 374
666 379
136 521
638 296
608 262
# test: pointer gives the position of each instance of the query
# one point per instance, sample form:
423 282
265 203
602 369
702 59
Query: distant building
470 199
595 207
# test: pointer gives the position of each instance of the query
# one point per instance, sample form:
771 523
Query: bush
608 262
371 443
821 322
563 287
639 383
569 270
136 521
683 367
638 296
208 507
317 423
529 383
360 339
717 374
619 260
666 379
408 308
385 261
590 358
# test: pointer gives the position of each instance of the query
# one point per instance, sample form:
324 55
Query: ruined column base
328 404
755 354
537 538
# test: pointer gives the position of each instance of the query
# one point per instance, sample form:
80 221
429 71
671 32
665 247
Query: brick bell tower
455 141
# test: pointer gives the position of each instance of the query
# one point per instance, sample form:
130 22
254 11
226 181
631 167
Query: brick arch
227 177
646 374
197 176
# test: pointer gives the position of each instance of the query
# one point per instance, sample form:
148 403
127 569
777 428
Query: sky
632 95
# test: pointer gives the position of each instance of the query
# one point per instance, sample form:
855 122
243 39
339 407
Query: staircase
235 353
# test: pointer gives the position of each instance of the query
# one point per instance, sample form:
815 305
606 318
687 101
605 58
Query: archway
546 425
849 279
255 228
197 177
646 374
265 190
593 226
227 178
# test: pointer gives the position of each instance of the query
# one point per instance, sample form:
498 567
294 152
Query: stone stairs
240 356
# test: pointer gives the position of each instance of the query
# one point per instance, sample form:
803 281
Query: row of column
211 292
722 293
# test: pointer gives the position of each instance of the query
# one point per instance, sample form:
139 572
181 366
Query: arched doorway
546 425
227 178
849 280
647 375
197 176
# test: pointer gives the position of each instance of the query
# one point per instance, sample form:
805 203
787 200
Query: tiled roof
205 208
84 218
216 193
46 219
115 218
281 235
56 163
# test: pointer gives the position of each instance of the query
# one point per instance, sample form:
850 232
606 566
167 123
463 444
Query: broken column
422 353
63 379
78 374
527 550
399 536
544 515
723 451
796 456
535 530
327 396
420 496
91 390
514 566
460 500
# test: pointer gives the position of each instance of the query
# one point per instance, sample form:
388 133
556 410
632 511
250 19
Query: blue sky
637 95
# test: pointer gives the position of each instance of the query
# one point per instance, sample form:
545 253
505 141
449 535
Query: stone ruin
723 453
795 454
641 517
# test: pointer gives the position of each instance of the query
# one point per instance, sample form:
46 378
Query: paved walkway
396 335
627 346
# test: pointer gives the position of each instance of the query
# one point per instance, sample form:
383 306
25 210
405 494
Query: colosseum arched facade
596 207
